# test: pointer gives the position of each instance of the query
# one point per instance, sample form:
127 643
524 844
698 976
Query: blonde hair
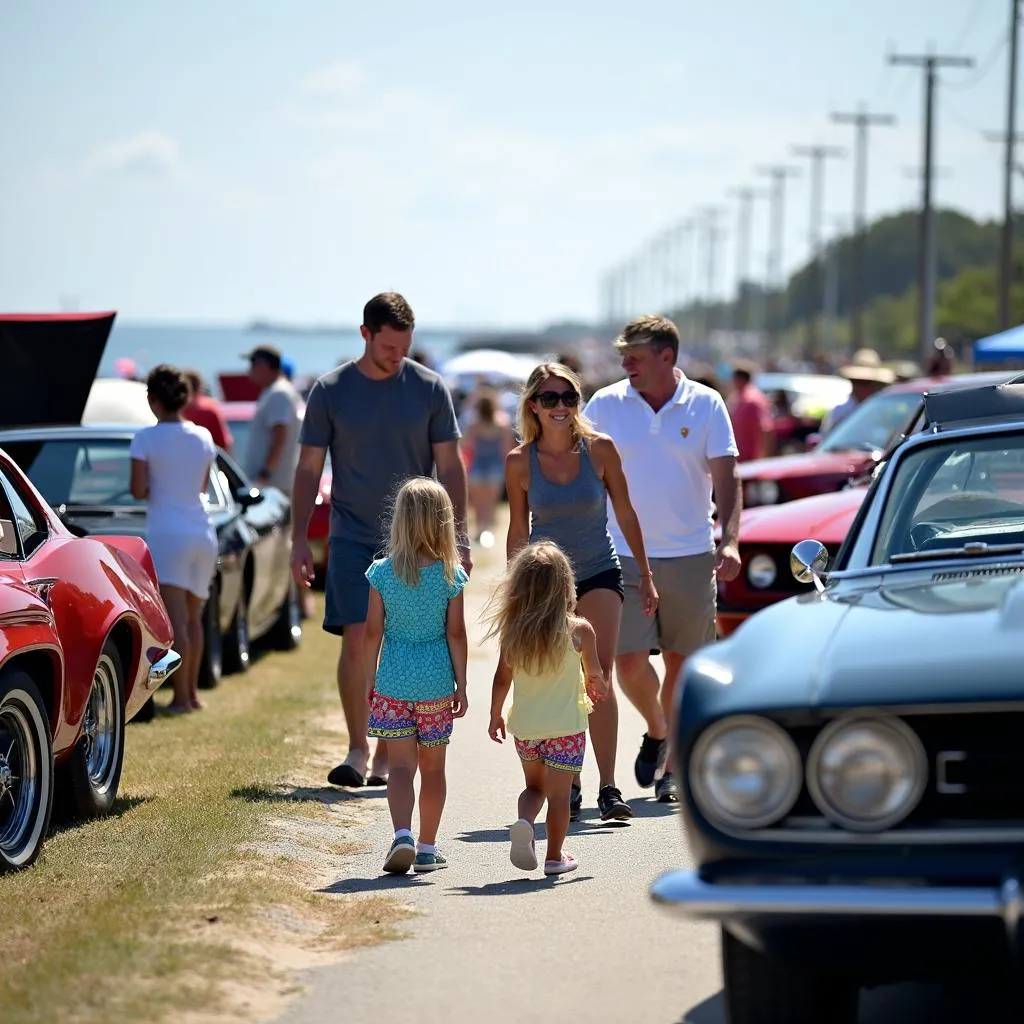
531 609
422 526
526 419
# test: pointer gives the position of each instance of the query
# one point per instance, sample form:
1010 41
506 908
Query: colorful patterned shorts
429 721
563 753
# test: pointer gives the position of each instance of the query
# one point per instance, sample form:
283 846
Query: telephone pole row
926 245
862 120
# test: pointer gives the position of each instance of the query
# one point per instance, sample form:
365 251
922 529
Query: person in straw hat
867 376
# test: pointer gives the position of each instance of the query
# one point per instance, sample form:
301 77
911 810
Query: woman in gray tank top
559 482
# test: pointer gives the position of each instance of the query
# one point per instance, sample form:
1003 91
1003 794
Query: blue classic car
852 759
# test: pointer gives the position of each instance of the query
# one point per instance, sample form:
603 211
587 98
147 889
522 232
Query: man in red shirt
205 411
751 416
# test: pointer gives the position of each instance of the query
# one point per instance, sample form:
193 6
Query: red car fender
29 640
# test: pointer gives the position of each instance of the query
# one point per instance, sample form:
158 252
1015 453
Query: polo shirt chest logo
684 431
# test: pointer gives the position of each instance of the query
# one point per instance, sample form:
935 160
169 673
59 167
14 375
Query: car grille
976 767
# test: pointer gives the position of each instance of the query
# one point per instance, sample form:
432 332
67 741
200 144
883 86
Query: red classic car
850 449
768 532
84 636
239 416
767 536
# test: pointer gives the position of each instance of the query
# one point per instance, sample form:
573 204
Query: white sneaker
523 853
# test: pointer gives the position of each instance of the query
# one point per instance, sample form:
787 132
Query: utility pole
926 244
862 120
682 233
774 316
746 197
818 155
712 236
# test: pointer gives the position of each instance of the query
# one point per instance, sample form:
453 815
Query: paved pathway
500 946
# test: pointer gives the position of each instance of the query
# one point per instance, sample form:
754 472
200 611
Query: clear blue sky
216 160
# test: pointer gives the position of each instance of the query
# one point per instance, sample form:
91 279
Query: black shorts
609 579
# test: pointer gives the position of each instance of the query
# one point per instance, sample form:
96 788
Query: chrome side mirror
808 562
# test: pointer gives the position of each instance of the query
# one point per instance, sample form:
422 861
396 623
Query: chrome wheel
100 732
26 771
19 777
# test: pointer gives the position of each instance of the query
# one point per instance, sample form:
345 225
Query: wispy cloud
149 154
336 81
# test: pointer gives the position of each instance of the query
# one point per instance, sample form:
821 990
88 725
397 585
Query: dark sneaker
666 789
575 803
429 862
649 761
400 856
612 806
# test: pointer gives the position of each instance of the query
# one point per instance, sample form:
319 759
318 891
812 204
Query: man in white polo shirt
678 448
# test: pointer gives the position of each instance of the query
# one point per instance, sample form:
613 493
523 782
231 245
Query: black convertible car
84 473
852 758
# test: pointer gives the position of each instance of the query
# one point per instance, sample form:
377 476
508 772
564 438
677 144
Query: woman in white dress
170 468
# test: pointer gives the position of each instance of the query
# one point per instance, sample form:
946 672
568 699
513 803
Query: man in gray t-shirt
384 418
273 446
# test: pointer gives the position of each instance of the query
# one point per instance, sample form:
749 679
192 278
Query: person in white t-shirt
678 449
170 469
273 449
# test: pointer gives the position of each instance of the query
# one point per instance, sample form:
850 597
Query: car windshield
873 424
80 473
963 498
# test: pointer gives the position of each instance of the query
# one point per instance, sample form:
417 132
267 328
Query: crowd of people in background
419 471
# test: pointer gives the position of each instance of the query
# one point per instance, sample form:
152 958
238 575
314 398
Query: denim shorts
346 589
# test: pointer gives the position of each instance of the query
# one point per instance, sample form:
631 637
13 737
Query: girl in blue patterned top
419 687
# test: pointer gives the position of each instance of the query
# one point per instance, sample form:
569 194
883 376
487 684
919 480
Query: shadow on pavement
379 884
303 794
515 886
648 807
898 1004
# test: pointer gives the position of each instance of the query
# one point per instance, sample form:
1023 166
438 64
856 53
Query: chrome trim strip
967 835
160 671
686 893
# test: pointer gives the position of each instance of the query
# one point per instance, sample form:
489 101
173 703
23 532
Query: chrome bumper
160 671
685 893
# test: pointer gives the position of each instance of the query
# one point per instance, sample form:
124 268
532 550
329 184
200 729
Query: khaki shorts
687 603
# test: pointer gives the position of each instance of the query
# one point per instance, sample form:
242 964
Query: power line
985 67
926 249
862 120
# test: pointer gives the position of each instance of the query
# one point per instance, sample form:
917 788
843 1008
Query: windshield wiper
974 549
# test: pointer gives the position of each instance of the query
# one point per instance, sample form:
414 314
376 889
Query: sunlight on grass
136 916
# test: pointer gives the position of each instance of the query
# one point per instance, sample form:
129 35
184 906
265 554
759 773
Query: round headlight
745 772
761 571
867 774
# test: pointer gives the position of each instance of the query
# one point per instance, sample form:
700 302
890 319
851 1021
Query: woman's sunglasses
549 399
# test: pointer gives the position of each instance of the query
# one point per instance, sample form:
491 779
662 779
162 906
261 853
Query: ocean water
215 350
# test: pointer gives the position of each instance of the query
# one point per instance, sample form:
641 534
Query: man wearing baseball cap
273 448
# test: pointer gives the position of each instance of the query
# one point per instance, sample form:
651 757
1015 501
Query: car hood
805 464
901 643
825 517
49 364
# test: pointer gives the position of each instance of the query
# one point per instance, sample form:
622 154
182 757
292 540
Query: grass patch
208 860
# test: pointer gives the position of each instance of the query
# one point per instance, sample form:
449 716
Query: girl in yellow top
550 657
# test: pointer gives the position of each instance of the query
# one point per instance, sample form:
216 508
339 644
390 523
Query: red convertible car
84 636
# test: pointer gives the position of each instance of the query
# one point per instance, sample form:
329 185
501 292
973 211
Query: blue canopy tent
1006 346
